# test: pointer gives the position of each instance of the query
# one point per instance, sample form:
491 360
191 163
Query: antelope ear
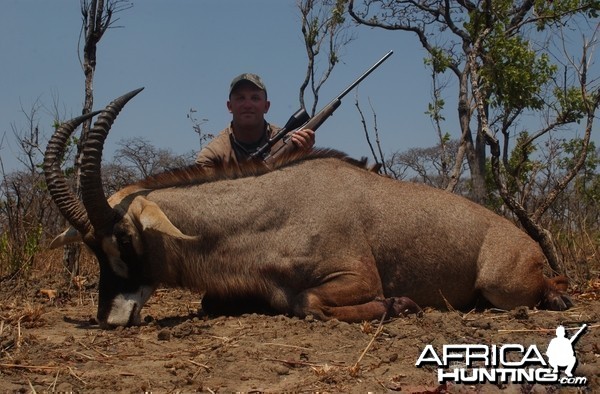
69 236
151 217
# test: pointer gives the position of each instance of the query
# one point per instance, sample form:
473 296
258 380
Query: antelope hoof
401 306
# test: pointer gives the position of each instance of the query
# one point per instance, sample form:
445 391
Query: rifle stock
312 124
297 120
319 118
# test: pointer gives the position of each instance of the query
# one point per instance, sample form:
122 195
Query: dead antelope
320 235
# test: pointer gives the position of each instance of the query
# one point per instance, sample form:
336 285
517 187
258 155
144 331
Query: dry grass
27 314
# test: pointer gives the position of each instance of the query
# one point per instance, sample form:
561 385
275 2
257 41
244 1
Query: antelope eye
124 240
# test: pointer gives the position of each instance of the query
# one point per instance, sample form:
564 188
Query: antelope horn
100 213
66 201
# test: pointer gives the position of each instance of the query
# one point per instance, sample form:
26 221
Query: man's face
248 104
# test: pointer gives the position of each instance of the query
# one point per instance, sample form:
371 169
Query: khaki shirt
224 151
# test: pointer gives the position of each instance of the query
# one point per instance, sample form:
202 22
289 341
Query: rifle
301 120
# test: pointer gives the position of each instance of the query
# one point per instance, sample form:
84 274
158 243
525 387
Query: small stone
164 335
521 313
281 369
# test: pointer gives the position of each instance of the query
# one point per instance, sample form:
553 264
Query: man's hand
304 139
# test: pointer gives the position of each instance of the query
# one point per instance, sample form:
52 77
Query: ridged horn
66 201
100 213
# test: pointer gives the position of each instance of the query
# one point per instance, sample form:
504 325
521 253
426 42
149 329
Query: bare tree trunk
531 222
377 156
322 24
97 18
533 228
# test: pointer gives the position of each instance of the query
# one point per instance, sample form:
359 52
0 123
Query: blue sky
185 54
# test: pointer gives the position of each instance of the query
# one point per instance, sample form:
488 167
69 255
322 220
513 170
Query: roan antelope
318 235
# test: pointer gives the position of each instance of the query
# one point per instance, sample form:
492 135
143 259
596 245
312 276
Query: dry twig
31 387
284 345
199 365
29 367
356 367
52 387
294 363
93 349
75 376
544 330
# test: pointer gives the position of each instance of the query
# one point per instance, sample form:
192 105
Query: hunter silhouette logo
507 363
560 351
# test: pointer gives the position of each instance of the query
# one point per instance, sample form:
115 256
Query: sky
185 53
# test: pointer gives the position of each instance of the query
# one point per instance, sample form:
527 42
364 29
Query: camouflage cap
253 78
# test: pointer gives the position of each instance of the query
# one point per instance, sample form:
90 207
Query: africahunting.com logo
510 363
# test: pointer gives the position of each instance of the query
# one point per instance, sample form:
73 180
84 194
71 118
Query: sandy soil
49 342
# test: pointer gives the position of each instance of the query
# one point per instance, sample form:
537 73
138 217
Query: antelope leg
352 297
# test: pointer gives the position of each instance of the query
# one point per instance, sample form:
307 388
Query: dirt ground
49 341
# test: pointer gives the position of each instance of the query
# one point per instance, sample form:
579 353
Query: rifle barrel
364 75
316 121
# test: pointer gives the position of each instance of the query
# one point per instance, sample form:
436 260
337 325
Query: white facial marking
127 307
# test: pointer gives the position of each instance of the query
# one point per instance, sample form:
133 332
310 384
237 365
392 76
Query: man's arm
206 158
213 153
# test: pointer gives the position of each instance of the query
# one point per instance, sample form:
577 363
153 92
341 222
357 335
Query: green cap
253 78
